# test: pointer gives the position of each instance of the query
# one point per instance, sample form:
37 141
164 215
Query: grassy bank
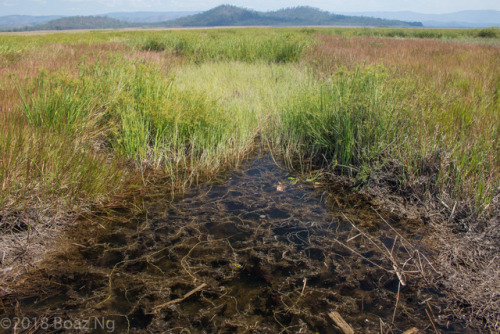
185 103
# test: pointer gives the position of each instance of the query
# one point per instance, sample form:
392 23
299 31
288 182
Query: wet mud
256 252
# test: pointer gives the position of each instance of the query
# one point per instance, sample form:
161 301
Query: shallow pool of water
256 253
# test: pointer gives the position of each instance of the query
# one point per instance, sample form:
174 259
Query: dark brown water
259 253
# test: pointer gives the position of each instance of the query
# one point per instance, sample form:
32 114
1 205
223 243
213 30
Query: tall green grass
270 44
188 122
345 120
370 119
226 45
484 35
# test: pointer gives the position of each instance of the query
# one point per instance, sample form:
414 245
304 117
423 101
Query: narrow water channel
254 253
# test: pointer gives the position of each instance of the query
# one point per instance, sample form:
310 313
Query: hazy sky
89 7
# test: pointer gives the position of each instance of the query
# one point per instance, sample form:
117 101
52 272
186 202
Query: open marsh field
251 180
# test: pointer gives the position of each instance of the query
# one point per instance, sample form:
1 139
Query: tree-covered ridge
227 15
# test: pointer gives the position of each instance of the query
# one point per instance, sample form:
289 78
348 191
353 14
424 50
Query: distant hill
19 21
224 15
79 22
230 15
227 15
463 19
148 17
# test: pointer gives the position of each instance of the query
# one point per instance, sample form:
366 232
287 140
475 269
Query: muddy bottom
253 253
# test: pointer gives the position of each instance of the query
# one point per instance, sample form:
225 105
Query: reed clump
433 109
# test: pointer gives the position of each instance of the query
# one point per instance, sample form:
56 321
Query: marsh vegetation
102 124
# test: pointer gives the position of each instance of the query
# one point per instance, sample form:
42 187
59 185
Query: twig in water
397 301
187 295
339 321
301 293
432 322
303 288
